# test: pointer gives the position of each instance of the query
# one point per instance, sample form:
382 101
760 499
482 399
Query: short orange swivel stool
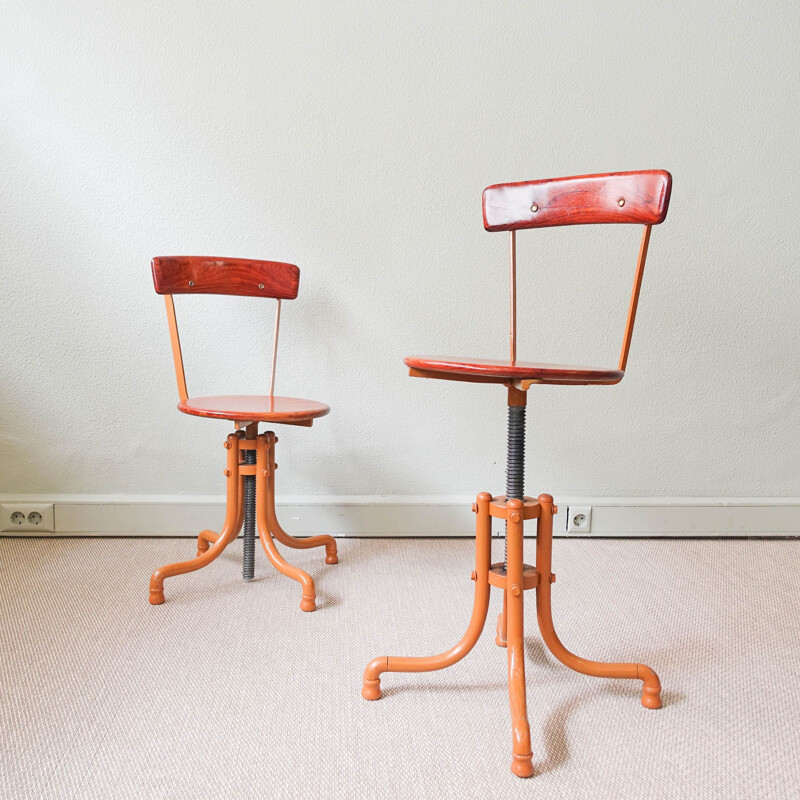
623 197
250 468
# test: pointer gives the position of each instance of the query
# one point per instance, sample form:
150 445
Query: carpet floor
228 690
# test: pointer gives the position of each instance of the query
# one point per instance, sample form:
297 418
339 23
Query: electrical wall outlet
579 519
27 517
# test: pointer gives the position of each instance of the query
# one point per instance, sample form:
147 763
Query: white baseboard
384 516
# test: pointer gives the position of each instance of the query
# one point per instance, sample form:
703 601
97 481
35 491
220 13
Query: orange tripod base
211 544
514 579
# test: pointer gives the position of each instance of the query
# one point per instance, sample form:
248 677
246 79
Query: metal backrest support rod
275 349
177 356
640 197
229 276
637 285
512 295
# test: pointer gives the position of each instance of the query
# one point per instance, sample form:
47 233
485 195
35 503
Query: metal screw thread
249 552
515 462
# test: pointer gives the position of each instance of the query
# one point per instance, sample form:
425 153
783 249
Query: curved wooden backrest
239 276
614 197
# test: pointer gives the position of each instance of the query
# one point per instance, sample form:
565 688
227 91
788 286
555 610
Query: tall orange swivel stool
623 197
250 469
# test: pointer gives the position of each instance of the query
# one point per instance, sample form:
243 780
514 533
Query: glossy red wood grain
632 197
502 371
254 408
237 276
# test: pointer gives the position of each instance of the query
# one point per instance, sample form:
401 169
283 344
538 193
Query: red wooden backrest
632 197
239 276
613 197
236 276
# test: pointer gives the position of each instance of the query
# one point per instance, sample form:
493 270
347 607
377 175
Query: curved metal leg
331 554
204 539
501 634
521 764
651 686
308 601
207 537
229 532
371 689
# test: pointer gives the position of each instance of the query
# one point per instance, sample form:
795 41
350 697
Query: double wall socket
579 519
27 517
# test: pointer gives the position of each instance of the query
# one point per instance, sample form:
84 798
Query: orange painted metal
498 576
631 197
204 539
634 304
265 464
274 527
513 582
501 632
175 339
521 762
211 544
516 397
230 530
499 506
651 686
371 689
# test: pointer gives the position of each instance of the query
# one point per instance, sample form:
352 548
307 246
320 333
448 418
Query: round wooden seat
500 371
254 408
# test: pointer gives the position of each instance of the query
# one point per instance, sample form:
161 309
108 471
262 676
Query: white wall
354 139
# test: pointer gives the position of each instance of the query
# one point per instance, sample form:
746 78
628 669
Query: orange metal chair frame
251 455
632 197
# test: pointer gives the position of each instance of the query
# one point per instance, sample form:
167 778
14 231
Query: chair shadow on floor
554 730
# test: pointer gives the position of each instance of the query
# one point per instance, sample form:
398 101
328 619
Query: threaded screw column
515 462
249 552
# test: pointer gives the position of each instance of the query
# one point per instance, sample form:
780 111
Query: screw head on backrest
641 197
